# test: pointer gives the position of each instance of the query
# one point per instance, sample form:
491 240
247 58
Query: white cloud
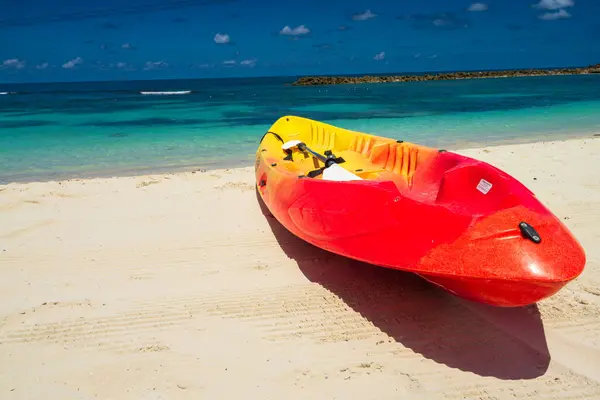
155 65
379 56
249 63
13 63
42 66
554 4
551 16
221 38
299 30
364 16
478 7
72 63
123 66
127 46
229 62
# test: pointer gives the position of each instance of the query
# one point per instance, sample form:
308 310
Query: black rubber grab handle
529 232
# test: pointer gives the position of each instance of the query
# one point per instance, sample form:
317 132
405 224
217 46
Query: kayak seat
357 163
403 159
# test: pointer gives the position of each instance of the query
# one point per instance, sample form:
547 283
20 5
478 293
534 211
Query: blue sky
68 40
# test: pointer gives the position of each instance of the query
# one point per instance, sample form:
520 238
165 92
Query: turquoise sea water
52 131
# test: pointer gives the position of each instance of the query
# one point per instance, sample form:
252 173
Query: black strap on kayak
288 152
272 133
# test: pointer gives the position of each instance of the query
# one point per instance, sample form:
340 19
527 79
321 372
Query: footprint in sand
146 183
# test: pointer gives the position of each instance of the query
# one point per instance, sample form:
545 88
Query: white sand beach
177 286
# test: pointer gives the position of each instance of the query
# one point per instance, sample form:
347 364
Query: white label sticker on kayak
484 186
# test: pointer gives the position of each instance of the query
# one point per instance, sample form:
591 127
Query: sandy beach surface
178 286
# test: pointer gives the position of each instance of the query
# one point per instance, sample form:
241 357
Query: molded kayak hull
460 223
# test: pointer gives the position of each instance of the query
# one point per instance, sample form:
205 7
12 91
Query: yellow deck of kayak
368 156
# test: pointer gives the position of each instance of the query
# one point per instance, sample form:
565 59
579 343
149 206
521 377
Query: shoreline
148 172
459 75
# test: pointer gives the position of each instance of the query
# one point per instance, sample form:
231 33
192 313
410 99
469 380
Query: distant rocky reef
340 80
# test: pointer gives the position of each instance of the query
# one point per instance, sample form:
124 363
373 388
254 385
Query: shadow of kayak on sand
506 343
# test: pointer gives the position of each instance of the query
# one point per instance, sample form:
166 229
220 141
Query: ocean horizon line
291 77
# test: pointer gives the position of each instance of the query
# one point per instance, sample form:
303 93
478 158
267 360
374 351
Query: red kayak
458 222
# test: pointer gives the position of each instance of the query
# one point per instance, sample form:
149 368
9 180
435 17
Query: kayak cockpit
421 173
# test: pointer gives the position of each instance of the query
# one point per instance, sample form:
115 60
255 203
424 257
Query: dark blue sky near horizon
68 40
